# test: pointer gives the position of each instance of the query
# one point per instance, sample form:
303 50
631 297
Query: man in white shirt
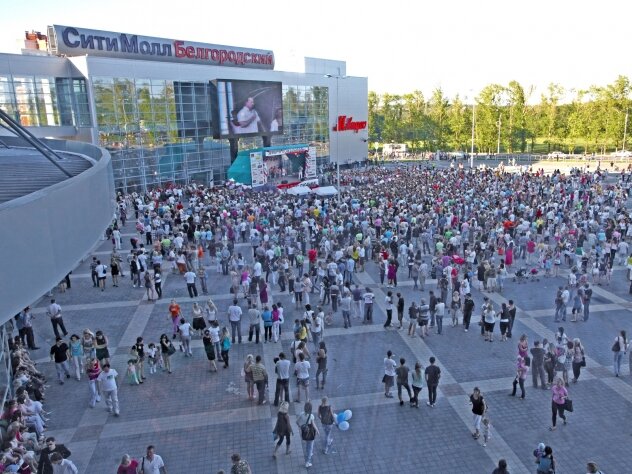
190 279
54 313
301 369
151 463
234 316
101 270
368 298
282 369
185 336
439 314
389 374
109 390
317 328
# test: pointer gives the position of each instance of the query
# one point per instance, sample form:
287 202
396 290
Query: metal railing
32 140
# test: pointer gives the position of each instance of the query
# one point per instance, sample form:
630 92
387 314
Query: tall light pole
625 128
473 125
499 125
337 77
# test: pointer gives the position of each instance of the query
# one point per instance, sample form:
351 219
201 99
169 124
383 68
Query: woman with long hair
619 347
247 371
166 348
579 360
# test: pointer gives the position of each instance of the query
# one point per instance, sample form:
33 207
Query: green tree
438 120
392 110
517 123
414 118
376 120
549 115
488 111
460 124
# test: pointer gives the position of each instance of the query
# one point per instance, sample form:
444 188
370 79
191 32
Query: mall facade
149 102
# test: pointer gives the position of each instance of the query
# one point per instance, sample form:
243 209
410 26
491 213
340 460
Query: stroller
534 274
521 275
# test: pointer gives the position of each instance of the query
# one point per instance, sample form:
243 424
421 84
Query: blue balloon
340 417
348 414
344 426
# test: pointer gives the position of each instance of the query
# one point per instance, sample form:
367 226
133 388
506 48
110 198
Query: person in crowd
282 429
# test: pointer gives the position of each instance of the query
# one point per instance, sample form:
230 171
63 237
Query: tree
549 117
393 112
414 118
460 124
376 120
437 117
488 110
517 124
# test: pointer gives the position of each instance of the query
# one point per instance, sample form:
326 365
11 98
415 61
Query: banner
257 169
310 163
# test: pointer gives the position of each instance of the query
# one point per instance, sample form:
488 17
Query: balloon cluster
342 420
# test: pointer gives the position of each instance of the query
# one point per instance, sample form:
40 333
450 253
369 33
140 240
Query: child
538 453
152 353
487 430
132 377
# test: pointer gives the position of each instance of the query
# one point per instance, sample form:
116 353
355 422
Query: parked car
556 154
622 154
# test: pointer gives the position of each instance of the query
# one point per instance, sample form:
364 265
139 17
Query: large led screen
246 108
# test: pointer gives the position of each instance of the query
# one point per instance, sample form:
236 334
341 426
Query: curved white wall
44 235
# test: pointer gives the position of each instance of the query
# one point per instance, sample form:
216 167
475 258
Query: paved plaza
197 419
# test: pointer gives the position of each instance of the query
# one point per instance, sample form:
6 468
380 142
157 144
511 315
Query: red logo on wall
346 123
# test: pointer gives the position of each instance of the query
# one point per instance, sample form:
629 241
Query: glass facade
36 101
159 131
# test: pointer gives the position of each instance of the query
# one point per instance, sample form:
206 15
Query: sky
401 46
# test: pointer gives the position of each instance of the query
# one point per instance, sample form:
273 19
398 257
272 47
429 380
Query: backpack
308 432
545 466
293 348
326 416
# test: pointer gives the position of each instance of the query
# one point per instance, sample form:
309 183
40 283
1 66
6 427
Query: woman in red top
128 465
93 369
174 312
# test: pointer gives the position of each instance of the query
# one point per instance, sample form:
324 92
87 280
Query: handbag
568 405
171 350
583 362
308 433
616 347
527 361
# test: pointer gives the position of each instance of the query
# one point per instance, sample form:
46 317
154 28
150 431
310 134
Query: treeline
595 120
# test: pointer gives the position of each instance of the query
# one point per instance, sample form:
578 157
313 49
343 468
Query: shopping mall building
153 103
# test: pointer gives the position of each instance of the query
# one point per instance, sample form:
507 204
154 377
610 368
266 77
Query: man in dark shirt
59 354
432 373
537 365
44 466
512 317
402 380
468 307
432 303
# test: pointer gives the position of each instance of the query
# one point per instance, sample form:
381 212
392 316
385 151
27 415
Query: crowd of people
468 230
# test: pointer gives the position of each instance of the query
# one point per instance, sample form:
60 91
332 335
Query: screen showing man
247 108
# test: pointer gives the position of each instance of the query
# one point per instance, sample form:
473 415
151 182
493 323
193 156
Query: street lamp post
499 125
625 128
473 125
337 77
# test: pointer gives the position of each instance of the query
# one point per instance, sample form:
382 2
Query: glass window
26 101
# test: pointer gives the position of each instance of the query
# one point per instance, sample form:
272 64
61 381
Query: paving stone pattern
197 419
